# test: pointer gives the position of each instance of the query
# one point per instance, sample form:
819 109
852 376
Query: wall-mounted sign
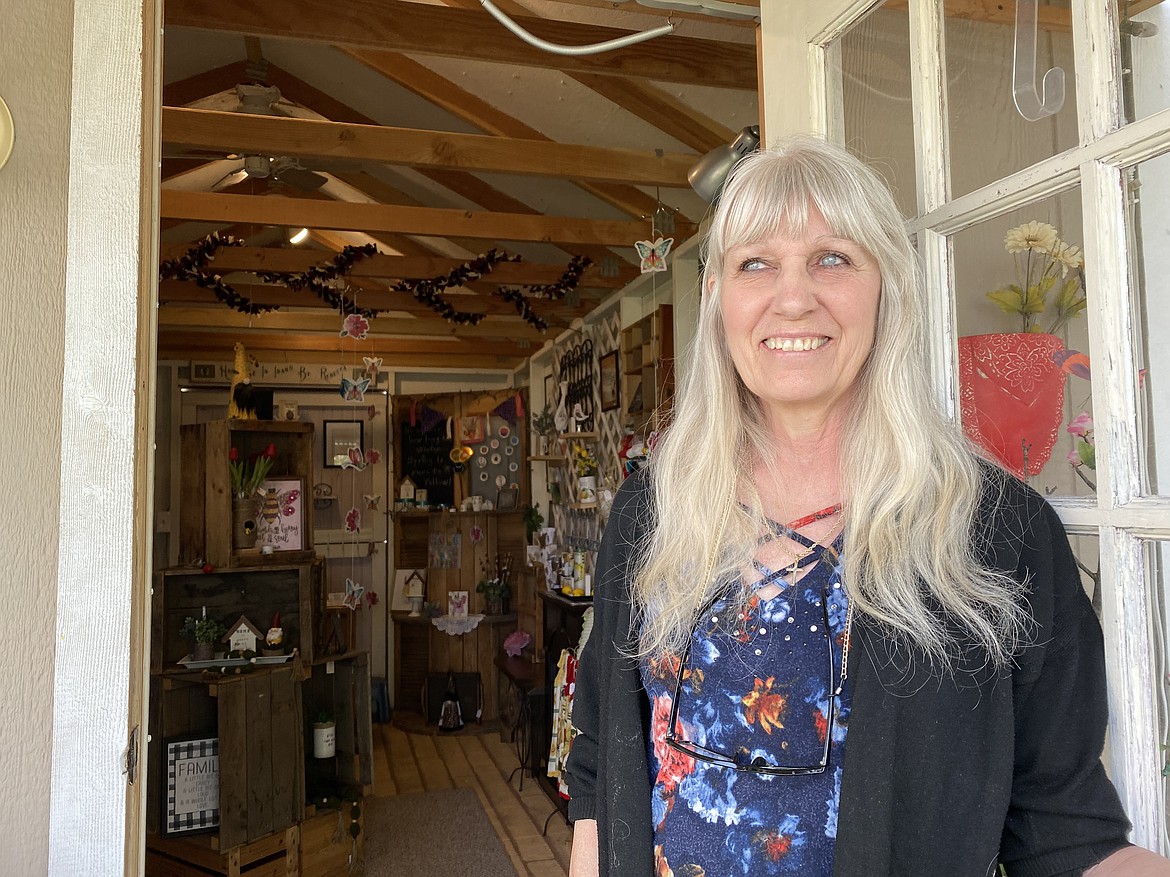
192 773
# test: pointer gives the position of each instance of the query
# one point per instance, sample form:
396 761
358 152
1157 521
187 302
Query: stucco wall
35 83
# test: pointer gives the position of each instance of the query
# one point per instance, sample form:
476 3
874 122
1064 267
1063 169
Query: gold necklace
797 558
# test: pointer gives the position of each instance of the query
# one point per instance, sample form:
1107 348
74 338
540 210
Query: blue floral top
756 689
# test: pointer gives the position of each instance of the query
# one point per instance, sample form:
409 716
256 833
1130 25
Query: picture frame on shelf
609 377
280 515
191 770
338 437
508 499
457 604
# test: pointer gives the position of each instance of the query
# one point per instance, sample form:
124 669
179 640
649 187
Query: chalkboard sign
425 459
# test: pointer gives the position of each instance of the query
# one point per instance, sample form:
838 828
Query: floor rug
435 834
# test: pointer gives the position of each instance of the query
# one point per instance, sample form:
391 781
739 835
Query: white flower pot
324 739
587 490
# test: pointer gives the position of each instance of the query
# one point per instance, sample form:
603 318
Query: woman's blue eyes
825 260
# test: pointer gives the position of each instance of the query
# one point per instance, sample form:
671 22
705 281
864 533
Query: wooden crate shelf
205 515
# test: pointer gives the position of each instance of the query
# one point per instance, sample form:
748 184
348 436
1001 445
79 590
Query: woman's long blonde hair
911 481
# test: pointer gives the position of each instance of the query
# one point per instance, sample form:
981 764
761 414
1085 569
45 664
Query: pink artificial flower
515 642
353 520
1074 458
373 456
1081 424
355 326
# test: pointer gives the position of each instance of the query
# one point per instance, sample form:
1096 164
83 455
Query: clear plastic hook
1031 104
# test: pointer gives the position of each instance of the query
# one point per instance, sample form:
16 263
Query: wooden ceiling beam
556 313
373 218
639 98
443 93
201 85
257 259
277 135
458 33
288 347
499 331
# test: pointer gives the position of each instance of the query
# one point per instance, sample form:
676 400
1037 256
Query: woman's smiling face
799 313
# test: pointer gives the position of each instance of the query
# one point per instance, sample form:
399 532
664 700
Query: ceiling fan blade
301 178
230 179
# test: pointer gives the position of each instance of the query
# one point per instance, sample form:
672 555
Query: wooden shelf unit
647 364
205 516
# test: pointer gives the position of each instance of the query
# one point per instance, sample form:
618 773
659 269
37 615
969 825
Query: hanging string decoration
653 254
429 418
429 292
516 297
353 520
190 266
373 365
566 286
319 280
510 410
354 391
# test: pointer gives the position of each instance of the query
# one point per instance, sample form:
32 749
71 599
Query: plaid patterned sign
192 802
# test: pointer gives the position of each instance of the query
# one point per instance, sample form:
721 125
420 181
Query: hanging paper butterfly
353 520
354 391
354 326
372 501
355 459
373 364
653 255
353 594
372 598
476 535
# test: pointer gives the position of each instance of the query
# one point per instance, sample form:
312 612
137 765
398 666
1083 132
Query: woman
828 638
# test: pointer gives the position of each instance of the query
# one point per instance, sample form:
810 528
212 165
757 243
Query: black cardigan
945 775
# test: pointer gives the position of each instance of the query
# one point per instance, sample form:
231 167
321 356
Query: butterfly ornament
359 460
373 365
653 254
353 594
354 391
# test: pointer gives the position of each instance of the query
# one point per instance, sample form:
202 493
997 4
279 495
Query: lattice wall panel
582 528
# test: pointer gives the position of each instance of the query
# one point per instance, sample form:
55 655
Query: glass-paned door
1044 229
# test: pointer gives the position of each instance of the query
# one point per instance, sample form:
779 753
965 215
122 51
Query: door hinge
131 770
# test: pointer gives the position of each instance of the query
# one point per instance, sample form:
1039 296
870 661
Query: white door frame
795 42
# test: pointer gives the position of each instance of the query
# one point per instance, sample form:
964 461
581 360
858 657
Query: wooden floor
410 763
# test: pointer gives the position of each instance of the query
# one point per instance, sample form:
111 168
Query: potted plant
204 632
495 585
533 521
543 429
585 465
1011 385
324 734
246 477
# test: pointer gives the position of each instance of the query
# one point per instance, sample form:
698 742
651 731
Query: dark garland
428 292
318 279
190 266
516 297
567 283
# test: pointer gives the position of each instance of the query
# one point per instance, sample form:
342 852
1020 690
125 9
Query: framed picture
508 499
340 436
610 377
192 775
280 517
457 604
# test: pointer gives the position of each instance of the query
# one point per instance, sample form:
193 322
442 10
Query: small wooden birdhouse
242 636
406 489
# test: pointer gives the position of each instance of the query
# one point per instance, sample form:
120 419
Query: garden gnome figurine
451 716
561 417
242 404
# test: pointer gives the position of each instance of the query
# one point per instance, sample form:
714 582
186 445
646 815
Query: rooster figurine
242 404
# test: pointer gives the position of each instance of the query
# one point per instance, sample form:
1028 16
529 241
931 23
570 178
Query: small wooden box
257 592
321 855
205 509
277 855
342 688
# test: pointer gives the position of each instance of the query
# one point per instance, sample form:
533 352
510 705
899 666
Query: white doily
457 625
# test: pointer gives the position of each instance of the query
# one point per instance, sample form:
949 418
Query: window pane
1145 57
1157 563
1148 189
872 64
989 137
1024 379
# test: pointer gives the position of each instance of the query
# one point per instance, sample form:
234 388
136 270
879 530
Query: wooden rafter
377 297
257 259
305 347
458 33
647 102
275 135
460 103
372 218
